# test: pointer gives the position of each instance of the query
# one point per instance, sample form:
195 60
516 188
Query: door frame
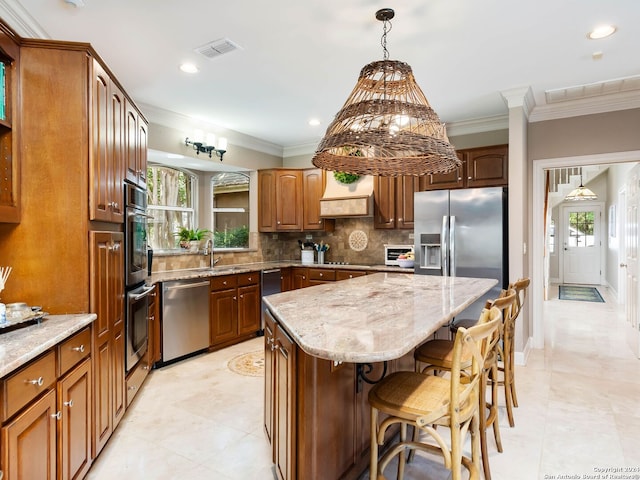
620 222
563 238
536 234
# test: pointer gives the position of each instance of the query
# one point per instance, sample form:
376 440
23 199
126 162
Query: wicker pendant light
386 127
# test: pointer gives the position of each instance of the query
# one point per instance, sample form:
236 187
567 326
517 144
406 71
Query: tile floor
579 411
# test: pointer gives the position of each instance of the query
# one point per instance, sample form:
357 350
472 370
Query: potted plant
191 238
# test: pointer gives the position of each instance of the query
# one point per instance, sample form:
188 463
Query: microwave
391 253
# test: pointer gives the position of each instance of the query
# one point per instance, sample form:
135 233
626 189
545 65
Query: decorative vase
194 245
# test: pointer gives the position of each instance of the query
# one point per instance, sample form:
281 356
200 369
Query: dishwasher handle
184 287
274 270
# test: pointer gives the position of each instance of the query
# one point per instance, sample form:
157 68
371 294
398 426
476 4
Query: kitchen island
323 347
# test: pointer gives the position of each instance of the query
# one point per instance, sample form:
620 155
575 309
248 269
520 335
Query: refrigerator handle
444 254
452 245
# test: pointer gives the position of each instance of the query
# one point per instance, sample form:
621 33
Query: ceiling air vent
218 47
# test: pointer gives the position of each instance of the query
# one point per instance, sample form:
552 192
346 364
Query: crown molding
187 124
17 17
586 106
478 125
304 149
519 97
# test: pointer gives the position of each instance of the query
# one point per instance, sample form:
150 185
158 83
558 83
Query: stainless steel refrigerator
463 233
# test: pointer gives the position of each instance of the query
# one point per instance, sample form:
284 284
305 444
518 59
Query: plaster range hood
352 200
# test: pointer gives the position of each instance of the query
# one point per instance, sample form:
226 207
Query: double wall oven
135 254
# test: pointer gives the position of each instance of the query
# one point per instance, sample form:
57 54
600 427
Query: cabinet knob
241 296
250 279
224 282
235 298
38 381
57 415
132 387
278 223
78 349
322 274
69 403
469 178
399 219
319 222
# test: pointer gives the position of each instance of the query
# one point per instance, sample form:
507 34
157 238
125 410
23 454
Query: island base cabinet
29 442
317 409
284 447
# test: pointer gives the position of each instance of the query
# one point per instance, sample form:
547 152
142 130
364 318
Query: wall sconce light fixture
209 147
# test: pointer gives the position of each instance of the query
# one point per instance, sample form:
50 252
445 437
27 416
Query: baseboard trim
521 357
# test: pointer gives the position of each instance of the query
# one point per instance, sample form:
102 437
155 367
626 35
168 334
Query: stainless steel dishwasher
270 284
185 318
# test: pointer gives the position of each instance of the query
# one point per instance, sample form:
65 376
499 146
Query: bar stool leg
373 464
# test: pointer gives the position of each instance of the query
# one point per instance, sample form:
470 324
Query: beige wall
585 135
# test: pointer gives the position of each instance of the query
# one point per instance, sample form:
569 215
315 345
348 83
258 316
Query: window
581 228
171 200
230 210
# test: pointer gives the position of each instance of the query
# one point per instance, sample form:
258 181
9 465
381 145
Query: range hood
352 200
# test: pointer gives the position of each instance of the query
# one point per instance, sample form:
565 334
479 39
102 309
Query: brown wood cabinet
135 141
318 276
316 409
234 308
46 430
393 201
107 263
299 277
29 441
289 200
284 421
347 274
74 436
10 196
286 279
107 148
481 167
313 184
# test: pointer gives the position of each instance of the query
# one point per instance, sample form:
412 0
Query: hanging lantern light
581 193
386 127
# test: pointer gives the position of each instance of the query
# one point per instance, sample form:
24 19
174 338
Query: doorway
536 234
581 243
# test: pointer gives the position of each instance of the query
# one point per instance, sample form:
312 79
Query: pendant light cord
386 28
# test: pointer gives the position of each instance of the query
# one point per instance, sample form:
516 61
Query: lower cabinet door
74 402
29 442
248 309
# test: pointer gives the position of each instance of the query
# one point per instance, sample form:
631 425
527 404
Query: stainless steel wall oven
135 255
135 235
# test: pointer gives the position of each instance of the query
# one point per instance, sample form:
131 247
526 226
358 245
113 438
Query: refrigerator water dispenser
431 251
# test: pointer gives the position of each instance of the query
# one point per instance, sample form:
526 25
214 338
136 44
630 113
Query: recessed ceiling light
314 122
601 31
189 68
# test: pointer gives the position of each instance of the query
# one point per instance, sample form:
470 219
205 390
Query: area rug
249 364
583 294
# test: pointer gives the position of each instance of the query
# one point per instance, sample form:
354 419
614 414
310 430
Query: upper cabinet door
488 167
289 202
452 179
107 148
136 138
384 209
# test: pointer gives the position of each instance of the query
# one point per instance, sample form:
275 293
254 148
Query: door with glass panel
582 244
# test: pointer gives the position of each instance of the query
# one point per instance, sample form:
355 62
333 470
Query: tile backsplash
284 246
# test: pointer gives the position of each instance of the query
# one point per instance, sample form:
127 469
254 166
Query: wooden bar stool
426 401
507 353
436 356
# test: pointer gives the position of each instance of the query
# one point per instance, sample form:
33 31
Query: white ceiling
300 59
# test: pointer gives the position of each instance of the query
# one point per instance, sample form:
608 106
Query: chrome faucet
208 250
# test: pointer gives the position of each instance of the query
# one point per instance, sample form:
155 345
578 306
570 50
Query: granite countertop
259 266
20 346
374 317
